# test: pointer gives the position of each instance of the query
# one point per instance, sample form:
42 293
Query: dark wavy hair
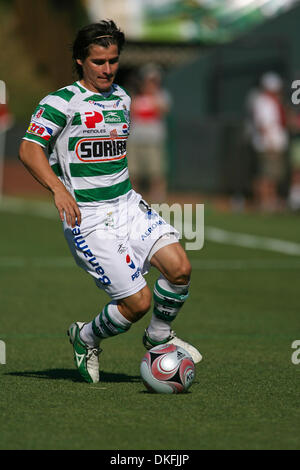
90 35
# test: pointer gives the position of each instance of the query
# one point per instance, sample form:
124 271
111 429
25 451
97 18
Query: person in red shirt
148 134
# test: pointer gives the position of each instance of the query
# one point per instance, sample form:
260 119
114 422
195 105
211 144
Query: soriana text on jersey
101 149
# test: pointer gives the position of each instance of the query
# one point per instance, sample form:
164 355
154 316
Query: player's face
100 67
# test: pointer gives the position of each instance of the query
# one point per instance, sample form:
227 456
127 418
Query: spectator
146 145
269 140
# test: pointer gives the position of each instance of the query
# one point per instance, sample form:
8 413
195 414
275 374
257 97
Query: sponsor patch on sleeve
39 130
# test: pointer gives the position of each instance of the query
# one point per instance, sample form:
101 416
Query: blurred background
209 57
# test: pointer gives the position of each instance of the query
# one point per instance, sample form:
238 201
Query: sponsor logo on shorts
130 262
82 246
152 228
136 274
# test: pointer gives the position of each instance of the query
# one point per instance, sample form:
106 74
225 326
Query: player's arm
34 159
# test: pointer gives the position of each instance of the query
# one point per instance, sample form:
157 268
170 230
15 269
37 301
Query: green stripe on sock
119 328
156 343
173 303
164 316
105 330
172 295
103 325
96 330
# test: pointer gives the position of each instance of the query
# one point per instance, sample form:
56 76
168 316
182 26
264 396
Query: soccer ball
167 369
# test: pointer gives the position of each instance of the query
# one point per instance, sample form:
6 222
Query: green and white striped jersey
86 135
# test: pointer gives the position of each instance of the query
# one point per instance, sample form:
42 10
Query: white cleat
173 339
193 352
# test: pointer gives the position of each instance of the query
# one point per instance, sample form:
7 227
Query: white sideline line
246 264
213 234
252 241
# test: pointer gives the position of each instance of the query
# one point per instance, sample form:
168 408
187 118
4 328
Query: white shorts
113 243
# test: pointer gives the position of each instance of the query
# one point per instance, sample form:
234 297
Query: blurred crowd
273 137
272 132
270 156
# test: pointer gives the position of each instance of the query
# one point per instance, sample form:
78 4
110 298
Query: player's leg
173 263
115 270
171 291
116 317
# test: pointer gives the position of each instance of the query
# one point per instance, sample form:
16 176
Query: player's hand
67 207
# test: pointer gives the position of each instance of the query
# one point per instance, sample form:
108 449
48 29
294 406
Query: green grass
245 395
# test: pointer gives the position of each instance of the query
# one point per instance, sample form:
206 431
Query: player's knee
137 306
181 275
141 308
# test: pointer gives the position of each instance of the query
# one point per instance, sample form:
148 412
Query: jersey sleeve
47 121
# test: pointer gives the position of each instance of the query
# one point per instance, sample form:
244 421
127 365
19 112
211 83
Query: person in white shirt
269 138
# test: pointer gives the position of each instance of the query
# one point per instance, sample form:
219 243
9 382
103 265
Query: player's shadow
73 375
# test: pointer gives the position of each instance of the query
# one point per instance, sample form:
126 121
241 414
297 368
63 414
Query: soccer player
112 232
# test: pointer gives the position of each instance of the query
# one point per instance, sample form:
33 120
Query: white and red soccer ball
167 369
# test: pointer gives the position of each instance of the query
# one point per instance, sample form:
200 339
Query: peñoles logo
92 118
101 149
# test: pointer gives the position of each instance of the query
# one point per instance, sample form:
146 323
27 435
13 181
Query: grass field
243 314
